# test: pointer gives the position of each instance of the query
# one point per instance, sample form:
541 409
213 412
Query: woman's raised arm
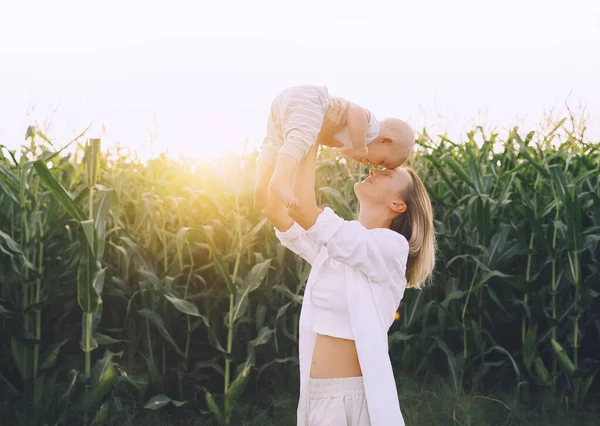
304 186
276 214
289 233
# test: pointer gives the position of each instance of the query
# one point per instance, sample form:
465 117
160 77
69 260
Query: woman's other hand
335 120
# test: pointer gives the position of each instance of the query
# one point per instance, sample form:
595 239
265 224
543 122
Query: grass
424 403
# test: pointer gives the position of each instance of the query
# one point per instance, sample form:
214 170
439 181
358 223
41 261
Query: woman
360 270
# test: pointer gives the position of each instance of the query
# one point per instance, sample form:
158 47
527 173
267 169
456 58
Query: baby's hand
360 154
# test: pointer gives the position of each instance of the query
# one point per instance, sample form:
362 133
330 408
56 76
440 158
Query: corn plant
90 274
239 242
30 239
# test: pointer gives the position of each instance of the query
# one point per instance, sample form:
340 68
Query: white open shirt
374 273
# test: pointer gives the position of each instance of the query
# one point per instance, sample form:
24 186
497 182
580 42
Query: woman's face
382 187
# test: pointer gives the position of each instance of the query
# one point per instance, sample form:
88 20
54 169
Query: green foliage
167 264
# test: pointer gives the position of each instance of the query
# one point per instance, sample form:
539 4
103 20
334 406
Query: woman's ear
398 206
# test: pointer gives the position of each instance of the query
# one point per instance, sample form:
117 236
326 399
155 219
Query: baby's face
394 144
386 154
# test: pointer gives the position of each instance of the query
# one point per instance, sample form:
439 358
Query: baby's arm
357 127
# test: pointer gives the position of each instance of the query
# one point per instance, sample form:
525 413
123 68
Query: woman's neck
372 218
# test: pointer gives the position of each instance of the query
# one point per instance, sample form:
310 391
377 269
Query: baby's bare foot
285 193
283 179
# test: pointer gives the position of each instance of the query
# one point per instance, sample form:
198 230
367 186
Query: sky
197 78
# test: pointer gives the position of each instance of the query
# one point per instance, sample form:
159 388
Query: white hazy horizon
198 78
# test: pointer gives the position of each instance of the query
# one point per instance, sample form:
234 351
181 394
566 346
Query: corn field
128 285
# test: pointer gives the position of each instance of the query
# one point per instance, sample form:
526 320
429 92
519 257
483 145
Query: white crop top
330 305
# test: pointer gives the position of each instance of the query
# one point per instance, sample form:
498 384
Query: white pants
334 402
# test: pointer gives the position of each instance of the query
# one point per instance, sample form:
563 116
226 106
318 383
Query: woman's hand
276 213
335 120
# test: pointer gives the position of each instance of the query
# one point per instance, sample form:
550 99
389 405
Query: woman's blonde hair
416 225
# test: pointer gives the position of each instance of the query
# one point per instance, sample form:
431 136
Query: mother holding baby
360 270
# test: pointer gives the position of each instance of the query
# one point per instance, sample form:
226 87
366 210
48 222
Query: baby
295 120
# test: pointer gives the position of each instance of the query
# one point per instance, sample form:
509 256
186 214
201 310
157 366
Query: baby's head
394 144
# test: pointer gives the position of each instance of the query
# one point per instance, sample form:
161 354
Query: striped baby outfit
295 120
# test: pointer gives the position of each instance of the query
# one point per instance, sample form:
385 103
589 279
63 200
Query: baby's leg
303 112
267 159
283 179
264 171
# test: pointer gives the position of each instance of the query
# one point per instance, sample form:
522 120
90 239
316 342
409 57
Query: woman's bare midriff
334 358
